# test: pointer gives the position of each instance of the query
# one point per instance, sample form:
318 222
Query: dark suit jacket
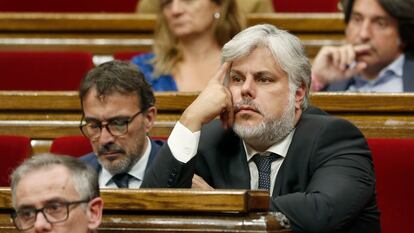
325 184
92 160
408 79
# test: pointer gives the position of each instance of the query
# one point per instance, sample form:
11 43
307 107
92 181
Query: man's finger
362 49
221 72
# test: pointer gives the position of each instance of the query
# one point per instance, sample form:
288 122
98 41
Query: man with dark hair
53 193
118 112
317 168
379 54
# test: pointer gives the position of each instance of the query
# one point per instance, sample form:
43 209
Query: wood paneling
176 210
47 115
105 34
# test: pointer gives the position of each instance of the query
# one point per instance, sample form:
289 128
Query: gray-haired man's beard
121 165
270 130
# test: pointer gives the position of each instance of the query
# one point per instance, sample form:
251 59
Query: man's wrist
316 84
190 122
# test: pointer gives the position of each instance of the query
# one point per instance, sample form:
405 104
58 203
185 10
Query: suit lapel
293 173
236 169
155 147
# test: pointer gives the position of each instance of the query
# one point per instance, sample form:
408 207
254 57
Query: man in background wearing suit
379 53
317 168
118 112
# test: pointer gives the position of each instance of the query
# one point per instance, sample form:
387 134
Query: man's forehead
260 60
46 180
94 97
374 11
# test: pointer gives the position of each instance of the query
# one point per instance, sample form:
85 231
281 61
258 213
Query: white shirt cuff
183 143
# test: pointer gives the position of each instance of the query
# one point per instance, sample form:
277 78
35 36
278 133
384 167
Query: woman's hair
166 50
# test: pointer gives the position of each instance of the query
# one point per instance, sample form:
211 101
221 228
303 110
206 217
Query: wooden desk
105 34
176 210
47 115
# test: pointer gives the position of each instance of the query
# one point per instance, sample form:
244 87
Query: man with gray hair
53 193
317 168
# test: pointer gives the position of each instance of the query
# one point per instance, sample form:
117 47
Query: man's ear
300 96
94 213
150 116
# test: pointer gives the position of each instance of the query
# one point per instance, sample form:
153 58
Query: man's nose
176 7
365 31
248 89
105 137
41 224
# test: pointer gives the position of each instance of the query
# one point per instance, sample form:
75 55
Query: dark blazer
408 78
92 160
325 184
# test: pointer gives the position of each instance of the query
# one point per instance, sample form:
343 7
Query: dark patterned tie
264 163
121 180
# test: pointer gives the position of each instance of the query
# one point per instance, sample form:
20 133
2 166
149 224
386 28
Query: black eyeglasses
54 212
116 127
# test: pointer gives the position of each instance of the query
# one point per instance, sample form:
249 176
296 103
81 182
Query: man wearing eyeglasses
55 194
118 112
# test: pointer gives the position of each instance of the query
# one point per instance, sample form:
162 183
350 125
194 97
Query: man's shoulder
315 129
324 122
88 158
156 144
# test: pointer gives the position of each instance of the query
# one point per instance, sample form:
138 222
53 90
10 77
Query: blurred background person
247 6
378 56
188 38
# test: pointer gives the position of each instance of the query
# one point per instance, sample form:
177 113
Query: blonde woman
187 44
246 6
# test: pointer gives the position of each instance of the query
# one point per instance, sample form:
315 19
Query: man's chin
114 166
246 123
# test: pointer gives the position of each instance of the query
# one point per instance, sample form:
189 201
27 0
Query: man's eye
236 78
119 122
93 125
165 2
381 23
264 79
54 207
26 213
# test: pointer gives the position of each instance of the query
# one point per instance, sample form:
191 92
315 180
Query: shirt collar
279 148
137 171
395 67
393 70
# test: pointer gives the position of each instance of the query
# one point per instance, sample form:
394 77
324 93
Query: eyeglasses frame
13 215
106 126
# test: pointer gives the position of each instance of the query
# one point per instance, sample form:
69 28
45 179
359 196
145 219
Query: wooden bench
175 210
47 115
106 34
